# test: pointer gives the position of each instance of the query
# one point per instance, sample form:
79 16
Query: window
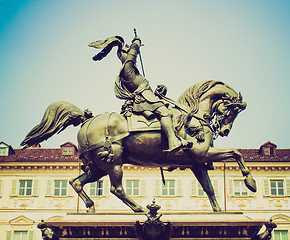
67 151
97 188
20 235
60 187
169 188
277 187
197 190
281 235
132 187
200 191
3 151
267 151
25 188
240 188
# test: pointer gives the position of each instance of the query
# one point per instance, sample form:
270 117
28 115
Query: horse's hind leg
78 183
200 171
117 189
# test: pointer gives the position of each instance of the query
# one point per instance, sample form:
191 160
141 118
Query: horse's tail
57 117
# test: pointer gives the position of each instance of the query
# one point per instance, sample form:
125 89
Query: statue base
185 225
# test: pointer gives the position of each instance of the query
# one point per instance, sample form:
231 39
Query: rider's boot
174 143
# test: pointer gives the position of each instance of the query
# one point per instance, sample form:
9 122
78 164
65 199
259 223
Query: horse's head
226 110
222 109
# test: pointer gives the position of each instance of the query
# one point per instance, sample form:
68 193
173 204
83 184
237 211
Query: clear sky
44 57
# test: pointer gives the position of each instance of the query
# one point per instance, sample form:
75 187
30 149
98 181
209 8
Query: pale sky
44 57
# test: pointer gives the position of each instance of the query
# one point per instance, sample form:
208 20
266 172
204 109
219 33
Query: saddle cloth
137 123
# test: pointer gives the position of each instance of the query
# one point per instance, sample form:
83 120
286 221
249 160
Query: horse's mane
191 97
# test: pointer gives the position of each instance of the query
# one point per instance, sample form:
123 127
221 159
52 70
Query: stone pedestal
185 225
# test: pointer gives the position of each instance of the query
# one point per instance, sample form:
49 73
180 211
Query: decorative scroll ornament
153 228
267 234
47 233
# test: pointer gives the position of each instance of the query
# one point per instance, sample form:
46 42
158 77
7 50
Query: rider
130 84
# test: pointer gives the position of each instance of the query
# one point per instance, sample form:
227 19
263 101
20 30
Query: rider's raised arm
134 50
129 69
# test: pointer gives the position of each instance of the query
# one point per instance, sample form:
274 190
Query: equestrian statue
151 130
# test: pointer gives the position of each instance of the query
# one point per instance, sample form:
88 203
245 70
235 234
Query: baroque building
34 186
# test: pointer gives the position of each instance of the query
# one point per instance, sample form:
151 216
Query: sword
135 32
161 169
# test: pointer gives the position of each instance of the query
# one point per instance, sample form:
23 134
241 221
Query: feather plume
107 46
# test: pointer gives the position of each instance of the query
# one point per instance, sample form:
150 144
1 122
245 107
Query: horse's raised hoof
91 209
250 183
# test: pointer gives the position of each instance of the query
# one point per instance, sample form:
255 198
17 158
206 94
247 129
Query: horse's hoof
250 183
140 209
91 209
217 209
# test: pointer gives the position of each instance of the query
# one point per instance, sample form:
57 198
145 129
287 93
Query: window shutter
8 235
66 187
0 188
30 235
49 188
266 187
178 187
70 190
157 187
14 188
142 189
250 193
193 188
35 187
87 188
106 187
215 183
288 187
230 187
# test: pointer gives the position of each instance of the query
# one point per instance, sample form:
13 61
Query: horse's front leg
201 173
216 154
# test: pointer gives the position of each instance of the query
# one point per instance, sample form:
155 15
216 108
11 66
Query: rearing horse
204 111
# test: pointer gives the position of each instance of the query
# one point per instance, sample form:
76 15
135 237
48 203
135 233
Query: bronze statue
109 140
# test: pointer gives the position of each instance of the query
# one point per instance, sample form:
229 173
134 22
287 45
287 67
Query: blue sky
44 57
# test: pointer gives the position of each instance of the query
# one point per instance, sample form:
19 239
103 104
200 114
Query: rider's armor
130 84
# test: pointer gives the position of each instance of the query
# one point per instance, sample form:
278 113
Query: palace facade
34 186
